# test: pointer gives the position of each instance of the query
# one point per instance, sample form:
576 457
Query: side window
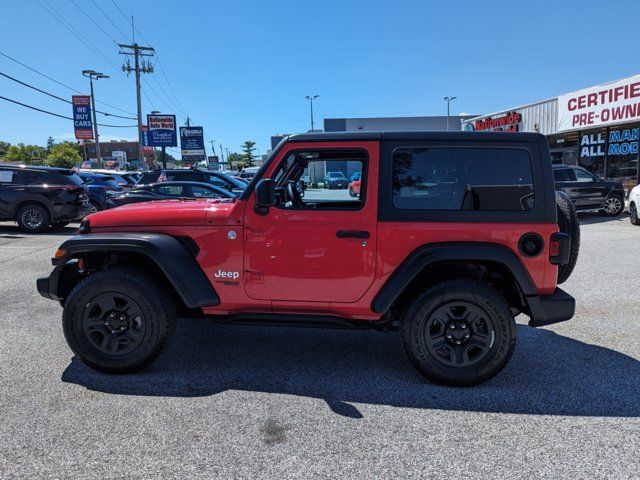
477 179
321 180
6 176
201 192
564 175
170 190
583 175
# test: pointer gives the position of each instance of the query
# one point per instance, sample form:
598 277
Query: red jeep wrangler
452 235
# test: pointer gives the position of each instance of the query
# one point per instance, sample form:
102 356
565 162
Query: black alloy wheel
458 333
114 323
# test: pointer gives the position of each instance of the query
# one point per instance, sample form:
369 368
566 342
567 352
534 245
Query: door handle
352 234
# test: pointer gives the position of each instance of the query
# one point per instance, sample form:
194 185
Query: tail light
560 248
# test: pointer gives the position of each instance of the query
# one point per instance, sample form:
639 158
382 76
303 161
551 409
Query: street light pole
448 100
311 98
91 74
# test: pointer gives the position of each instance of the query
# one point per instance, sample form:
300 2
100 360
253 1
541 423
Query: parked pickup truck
453 234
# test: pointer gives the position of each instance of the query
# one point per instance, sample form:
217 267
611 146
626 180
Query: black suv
588 191
37 197
216 179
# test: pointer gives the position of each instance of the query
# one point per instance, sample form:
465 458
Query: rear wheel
118 320
94 207
633 214
33 218
458 333
613 206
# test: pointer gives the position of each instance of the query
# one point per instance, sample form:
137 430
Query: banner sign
82 126
161 131
192 143
505 122
145 139
605 104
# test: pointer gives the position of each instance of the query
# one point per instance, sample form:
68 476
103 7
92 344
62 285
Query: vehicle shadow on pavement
13 231
591 218
548 375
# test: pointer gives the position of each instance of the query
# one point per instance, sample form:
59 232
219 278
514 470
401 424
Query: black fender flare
172 256
428 254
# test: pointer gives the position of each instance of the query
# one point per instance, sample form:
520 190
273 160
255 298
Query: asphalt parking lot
249 402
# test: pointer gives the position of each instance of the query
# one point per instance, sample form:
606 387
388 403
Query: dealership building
597 128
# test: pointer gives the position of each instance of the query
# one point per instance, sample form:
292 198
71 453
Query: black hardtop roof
416 136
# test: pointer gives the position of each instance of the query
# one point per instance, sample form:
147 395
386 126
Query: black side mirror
265 195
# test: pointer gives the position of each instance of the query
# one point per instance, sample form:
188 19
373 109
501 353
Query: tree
236 160
248 148
4 146
27 154
157 158
50 143
63 155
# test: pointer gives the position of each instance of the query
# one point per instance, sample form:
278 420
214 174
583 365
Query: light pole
311 98
448 100
97 75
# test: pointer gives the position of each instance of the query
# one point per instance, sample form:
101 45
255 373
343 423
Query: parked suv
588 191
449 265
217 179
39 197
335 180
99 187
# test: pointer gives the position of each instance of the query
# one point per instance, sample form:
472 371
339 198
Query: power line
162 70
94 22
60 19
60 98
60 83
158 95
57 114
109 18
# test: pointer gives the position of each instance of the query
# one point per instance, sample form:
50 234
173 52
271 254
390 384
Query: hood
165 212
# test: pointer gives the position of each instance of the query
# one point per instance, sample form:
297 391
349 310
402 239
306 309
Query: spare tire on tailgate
568 223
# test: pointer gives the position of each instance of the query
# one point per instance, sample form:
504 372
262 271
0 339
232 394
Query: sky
241 69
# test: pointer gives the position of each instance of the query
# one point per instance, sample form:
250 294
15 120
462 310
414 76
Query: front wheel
633 214
458 333
118 320
33 218
613 206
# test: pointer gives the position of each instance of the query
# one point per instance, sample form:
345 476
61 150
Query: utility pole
140 66
221 153
311 98
91 74
448 100
213 147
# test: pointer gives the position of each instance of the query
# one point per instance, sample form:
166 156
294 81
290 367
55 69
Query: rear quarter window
470 179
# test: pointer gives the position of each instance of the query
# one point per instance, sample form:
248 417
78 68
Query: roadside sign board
146 148
192 144
82 125
161 131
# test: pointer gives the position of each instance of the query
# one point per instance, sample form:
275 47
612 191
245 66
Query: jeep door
319 246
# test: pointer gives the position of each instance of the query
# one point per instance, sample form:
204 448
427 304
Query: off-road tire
147 297
620 203
568 223
417 317
33 218
633 214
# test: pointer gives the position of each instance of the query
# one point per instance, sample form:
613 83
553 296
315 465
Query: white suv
634 205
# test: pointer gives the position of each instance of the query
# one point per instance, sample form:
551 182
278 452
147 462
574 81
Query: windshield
336 175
